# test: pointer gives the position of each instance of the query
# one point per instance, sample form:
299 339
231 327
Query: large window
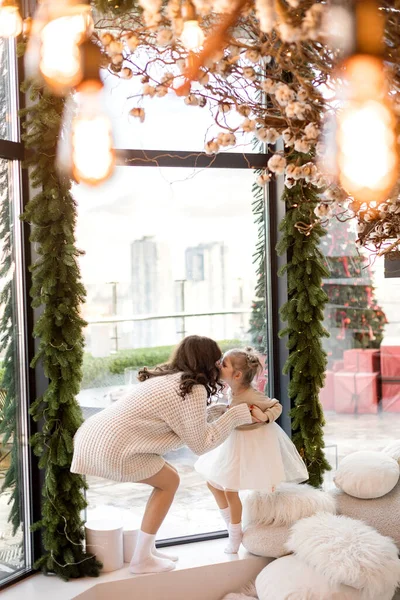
15 519
168 253
361 397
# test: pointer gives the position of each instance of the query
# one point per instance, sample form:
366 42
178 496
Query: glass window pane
169 124
12 440
361 398
168 253
8 109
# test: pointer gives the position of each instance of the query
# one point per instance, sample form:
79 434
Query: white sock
143 561
159 554
235 538
226 515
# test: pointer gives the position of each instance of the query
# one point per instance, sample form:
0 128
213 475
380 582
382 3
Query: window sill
203 568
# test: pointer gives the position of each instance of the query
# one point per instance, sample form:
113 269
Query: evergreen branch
57 289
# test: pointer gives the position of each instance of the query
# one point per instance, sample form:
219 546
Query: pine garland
8 417
58 291
304 315
258 319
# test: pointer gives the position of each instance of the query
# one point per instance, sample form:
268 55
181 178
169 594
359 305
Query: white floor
191 556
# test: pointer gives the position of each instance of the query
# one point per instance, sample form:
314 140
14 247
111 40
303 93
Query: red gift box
327 393
362 361
390 361
356 393
391 396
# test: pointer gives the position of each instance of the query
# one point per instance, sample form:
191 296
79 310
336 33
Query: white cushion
264 540
248 592
393 450
383 514
367 474
347 551
287 505
289 578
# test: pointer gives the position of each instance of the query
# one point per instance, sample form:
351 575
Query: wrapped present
390 361
356 393
338 365
262 379
363 361
391 395
327 393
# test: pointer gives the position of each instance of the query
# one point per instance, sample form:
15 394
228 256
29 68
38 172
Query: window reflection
12 555
361 397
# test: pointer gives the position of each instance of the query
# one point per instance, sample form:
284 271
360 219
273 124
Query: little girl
254 457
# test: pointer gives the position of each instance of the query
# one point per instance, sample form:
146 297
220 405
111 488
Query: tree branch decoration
58 291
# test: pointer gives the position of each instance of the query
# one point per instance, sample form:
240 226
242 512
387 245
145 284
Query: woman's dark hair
196 359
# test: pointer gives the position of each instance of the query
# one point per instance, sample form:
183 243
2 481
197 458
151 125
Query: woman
126 441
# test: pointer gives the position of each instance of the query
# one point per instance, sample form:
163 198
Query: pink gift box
390 361
338 365
356 392
263 377
391 396
327 393
363 361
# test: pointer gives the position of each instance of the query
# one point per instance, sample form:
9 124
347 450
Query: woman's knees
175 480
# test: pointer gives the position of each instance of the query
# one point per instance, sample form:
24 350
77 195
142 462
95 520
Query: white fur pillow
367 474
264 540
287 505
347 551
393 450
289 578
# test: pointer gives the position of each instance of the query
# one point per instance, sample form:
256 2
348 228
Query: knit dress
126 441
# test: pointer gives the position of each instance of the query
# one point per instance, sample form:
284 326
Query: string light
53 51
10 19
365 115
88 153
192 36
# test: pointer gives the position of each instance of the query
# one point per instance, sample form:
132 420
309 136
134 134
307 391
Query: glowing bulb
61 68
10 21
192 36
366 132
59 28
93 156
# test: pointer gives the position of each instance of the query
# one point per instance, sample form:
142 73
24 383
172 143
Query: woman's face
227 370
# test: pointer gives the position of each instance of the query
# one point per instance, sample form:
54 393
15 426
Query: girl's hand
253 417
257 413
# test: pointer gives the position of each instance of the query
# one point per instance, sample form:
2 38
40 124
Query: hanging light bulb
93 157
192 36
10 19
92 154
53 50
366 131
366 140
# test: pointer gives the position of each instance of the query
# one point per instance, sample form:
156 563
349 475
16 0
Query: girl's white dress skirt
253 459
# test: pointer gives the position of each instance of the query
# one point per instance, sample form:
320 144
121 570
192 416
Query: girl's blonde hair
246 361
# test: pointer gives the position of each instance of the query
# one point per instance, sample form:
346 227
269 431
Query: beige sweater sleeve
215 411
269 411
190 422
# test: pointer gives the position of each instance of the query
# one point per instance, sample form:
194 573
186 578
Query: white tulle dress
253 459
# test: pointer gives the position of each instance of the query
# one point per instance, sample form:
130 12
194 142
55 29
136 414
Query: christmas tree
352 314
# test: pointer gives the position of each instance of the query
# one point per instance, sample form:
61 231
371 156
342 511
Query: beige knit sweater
120 442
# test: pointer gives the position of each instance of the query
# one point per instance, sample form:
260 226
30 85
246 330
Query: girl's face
228 373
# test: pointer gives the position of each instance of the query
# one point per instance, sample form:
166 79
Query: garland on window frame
304 314
56 290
